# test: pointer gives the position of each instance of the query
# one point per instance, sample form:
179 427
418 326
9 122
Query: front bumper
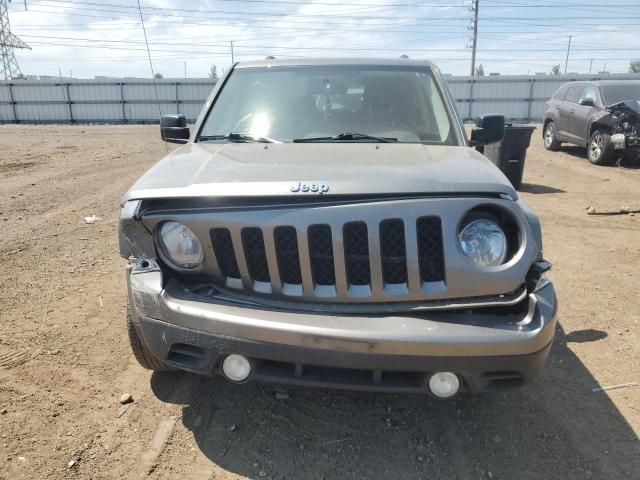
488 350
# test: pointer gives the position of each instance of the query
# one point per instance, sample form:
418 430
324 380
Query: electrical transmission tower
8 41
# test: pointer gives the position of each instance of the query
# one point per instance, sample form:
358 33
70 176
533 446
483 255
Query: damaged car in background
603 116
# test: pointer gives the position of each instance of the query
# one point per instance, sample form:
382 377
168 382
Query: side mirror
587 102
173 128
488 129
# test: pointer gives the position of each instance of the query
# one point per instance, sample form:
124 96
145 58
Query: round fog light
236 368
444 384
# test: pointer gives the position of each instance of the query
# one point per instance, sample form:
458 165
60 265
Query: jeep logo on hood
310 187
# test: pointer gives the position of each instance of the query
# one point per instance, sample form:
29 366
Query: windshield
322 102
617 93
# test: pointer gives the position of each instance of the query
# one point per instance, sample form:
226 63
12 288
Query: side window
573 94
560 93
589 92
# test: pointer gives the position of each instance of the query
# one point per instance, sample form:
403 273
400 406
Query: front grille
354 259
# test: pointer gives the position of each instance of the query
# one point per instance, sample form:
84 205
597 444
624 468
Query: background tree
480 71
555 70
158 75
634 66
213 73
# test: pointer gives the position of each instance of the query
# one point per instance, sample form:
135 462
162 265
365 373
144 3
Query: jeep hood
259 170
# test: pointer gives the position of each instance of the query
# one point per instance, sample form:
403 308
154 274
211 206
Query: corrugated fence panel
97 112
33 92
5 95
6 113
194 91
148 112
42 112
98 93
520 98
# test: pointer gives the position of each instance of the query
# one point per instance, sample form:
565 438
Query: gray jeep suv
327 223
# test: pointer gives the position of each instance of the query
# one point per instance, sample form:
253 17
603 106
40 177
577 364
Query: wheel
550 141
600 150
142 353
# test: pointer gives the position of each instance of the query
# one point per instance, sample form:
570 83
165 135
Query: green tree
480 71
158 76
634 66
555 70
213 73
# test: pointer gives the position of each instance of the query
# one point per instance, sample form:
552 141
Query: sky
91 38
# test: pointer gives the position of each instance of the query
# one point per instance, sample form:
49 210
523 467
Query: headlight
484 242
180 245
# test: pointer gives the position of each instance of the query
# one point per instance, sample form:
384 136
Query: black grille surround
323 260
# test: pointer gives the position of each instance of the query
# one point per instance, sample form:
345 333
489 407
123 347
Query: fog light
236 368
444 384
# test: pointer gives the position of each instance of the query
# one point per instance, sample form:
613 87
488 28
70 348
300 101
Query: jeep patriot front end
327 223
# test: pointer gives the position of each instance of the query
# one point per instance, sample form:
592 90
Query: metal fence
100 101
519 98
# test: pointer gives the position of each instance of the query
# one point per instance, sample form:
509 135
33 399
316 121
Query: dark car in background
603 116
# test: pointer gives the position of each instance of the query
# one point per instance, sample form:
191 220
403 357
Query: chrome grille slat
305 263
339 267
241 259
271 250
375 259
411 245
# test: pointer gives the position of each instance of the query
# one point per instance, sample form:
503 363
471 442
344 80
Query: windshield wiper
346 137
238 137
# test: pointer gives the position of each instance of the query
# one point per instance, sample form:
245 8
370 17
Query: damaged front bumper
389 352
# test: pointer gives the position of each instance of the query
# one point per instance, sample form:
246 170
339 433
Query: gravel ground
65 361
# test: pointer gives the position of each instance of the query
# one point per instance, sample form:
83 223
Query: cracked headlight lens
484 242
180 245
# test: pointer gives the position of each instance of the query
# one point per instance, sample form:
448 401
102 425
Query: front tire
144 357
600 150
549 136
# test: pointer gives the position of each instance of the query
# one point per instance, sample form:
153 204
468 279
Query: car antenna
153 75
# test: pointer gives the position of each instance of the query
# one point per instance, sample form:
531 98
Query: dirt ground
65 360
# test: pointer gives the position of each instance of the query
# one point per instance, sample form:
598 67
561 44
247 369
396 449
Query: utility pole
590 65
185 69
8 41
566 61
232 61
474 9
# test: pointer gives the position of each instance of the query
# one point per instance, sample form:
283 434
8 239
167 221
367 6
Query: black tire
549 137
144 357
600 150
